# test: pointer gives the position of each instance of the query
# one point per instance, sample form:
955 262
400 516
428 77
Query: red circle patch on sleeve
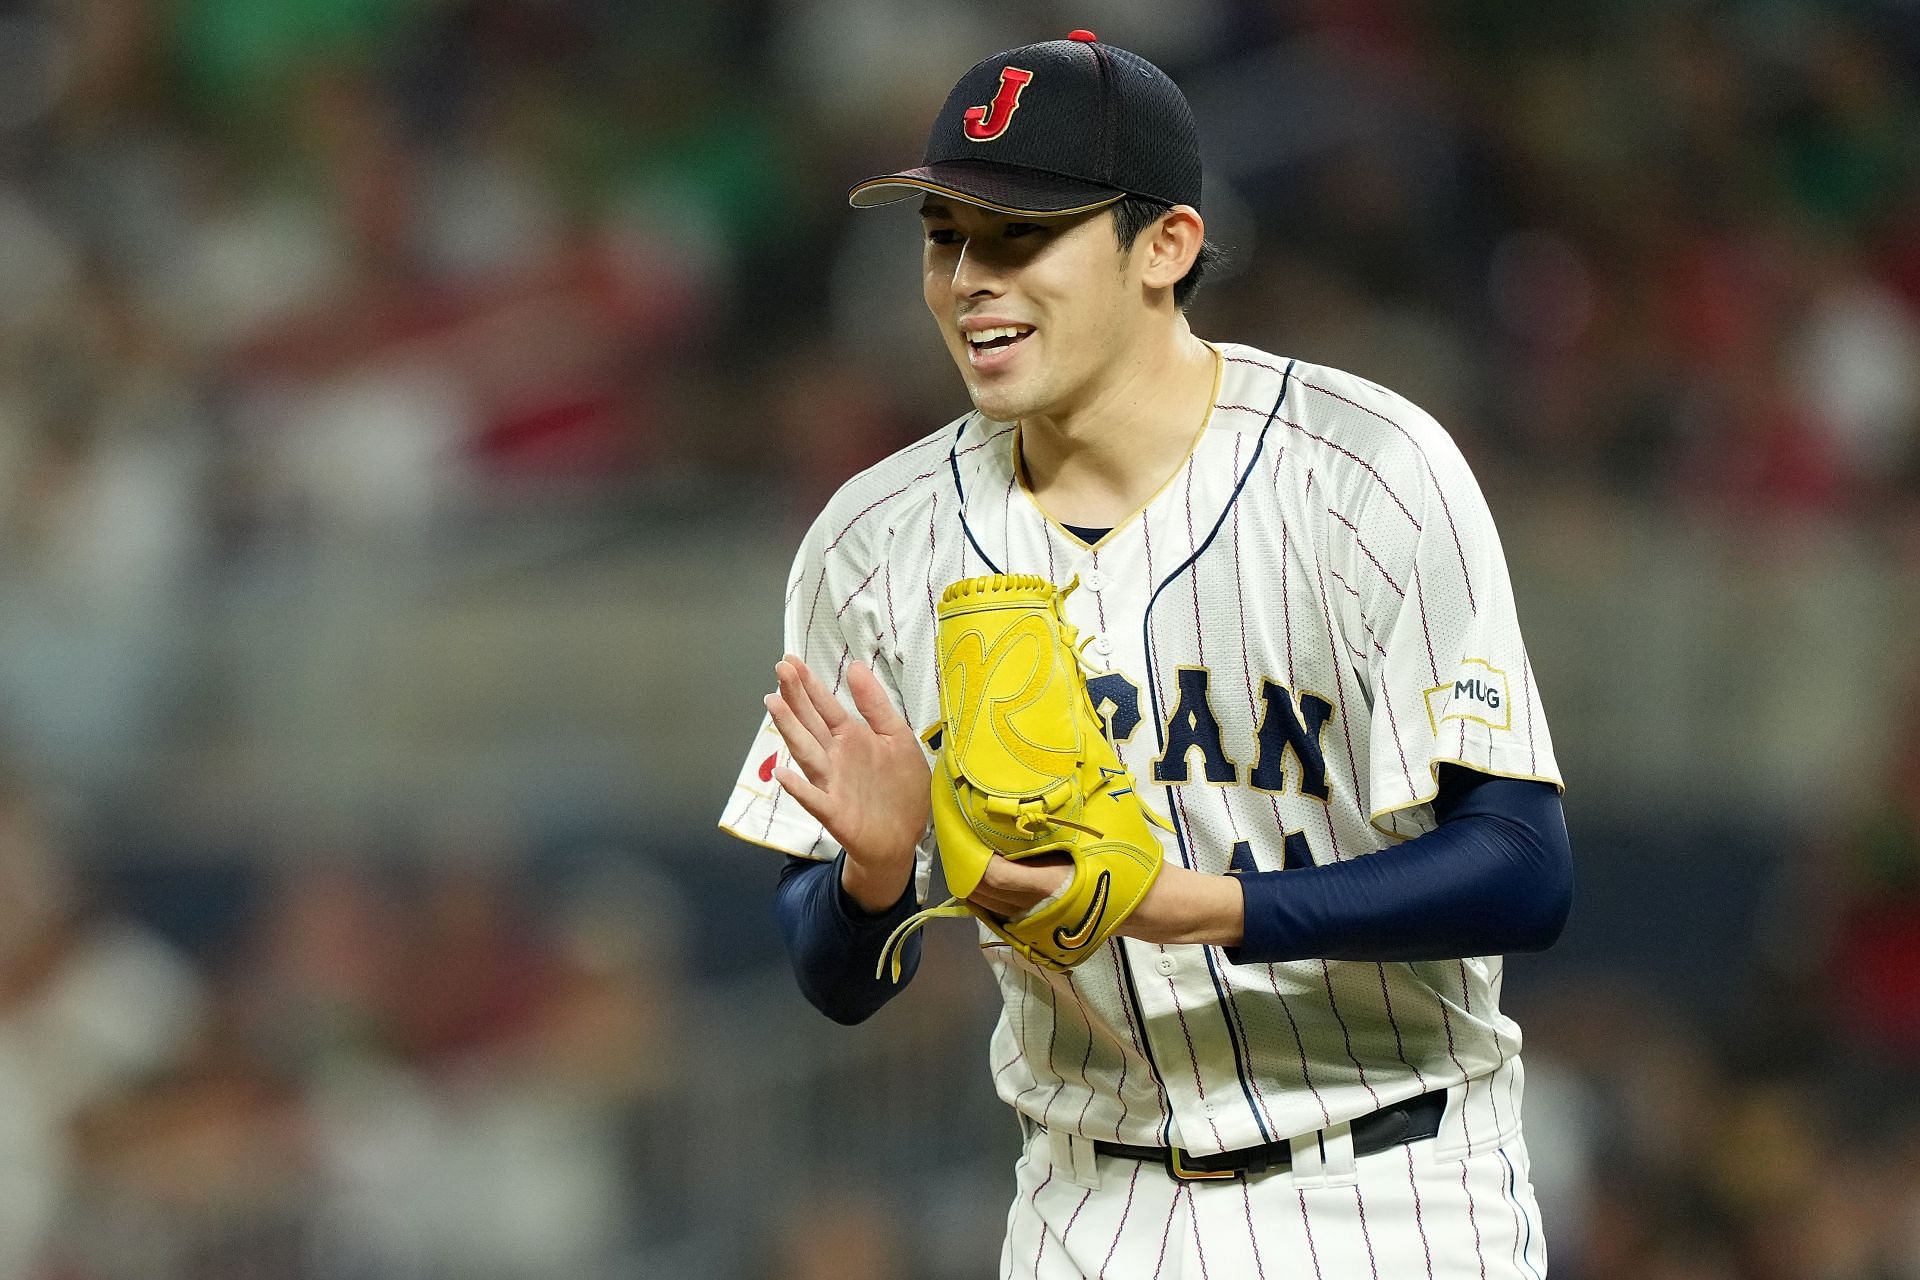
766 767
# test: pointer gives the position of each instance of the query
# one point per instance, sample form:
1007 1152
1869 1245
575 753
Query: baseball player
1291 1059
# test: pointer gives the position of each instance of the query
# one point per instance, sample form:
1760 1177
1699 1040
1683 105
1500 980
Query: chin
1002 404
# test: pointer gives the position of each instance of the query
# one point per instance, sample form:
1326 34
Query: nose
974 276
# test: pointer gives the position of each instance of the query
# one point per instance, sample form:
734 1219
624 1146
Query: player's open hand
864 776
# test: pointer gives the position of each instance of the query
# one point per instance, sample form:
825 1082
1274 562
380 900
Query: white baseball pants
1406 1213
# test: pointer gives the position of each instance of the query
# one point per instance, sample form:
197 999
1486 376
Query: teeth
981 336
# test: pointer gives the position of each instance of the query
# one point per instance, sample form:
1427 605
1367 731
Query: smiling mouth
984 340
989 344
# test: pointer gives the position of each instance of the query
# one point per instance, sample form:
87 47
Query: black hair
1134 214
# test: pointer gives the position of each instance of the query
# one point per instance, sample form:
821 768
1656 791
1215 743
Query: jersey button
1101 647
1165 965
1092 579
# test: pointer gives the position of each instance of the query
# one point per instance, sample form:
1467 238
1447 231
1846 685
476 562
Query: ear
1165 251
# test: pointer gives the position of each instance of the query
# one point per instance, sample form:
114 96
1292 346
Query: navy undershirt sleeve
1495 876
834 945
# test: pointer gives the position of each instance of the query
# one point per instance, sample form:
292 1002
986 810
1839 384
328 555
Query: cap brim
1001 188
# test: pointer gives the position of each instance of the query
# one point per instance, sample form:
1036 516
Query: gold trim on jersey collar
1193 446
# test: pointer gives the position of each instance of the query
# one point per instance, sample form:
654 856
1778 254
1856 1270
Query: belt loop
1324 1158
1073 1158
1059 1153
1086 1162
1337 1161
1306 1161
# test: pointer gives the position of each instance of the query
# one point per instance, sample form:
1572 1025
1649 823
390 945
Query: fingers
815 706
792 674
1011 888
825 705
810 797
871 700
807 750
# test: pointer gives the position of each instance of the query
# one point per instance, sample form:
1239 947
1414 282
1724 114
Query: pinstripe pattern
1324 535
1398 1214
1419 1215
1366 1237
1126 1210
1253 1233
1166 1233
1199 1241
1306 1229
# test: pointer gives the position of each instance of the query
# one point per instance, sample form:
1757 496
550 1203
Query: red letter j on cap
984 124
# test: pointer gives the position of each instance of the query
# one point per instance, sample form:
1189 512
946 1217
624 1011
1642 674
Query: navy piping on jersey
953 464
1513 1182
1125 966
1240 1068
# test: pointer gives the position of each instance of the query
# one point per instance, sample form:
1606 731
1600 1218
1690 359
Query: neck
1098 462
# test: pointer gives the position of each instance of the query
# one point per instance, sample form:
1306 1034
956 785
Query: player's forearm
1185 906
1495 877
834 946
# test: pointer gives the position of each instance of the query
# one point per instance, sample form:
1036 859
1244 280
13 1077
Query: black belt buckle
1180 1171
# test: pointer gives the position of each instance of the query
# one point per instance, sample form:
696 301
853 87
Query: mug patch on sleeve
1479 691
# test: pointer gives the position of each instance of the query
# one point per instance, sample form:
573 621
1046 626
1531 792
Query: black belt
1376 1131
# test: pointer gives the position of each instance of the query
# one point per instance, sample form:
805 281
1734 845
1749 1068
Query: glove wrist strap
897 940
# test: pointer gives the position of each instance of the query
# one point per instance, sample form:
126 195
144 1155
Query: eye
1015 229
942 235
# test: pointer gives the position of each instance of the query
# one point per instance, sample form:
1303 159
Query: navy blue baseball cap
1054 128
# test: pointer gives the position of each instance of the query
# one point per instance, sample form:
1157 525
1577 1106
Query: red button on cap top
1082 34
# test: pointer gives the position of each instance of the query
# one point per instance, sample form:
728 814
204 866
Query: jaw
1004 399
1046 384
1004 385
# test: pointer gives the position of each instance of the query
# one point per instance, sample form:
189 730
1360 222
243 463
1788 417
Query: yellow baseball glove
1026 766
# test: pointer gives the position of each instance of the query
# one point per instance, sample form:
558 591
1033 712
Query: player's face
1034 311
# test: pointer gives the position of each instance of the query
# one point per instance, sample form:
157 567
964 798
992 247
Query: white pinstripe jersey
1309 618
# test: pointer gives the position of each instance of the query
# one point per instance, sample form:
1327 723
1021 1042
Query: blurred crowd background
408 409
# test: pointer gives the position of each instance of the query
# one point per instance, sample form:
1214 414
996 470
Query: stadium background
407 411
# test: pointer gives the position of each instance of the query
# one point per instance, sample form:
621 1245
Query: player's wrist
875 889
1188 907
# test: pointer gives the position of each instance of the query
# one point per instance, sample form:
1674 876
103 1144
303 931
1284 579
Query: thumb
872 702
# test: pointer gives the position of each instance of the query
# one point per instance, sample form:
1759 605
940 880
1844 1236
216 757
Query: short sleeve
830 621
1446 667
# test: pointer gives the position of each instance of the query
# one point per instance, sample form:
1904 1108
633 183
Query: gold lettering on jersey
1479 691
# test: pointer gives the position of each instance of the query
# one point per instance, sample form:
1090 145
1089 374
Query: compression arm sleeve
1495 876
834 945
